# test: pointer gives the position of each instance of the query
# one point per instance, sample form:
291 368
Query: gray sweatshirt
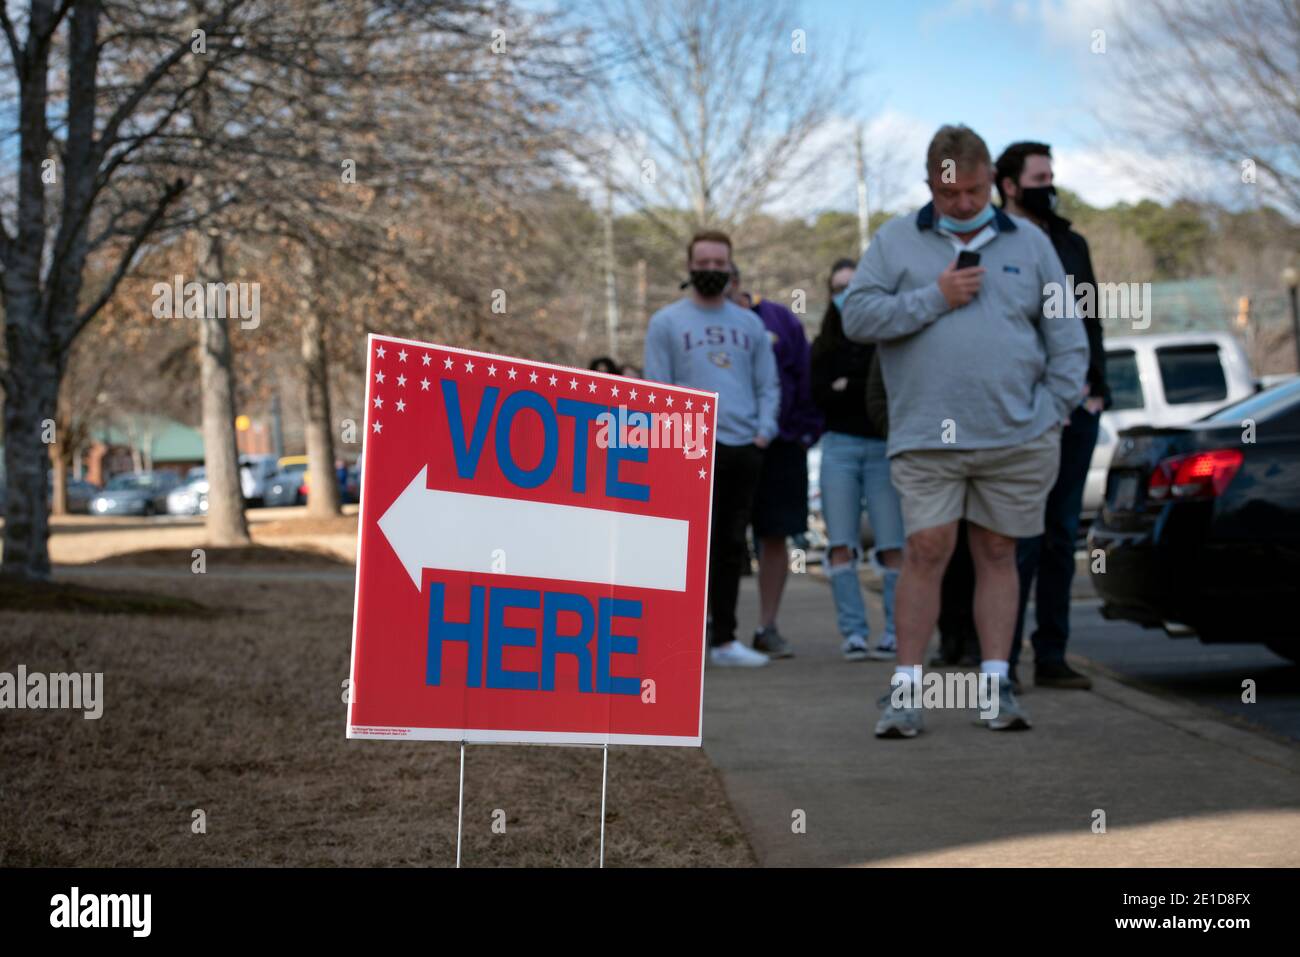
992 373
724 350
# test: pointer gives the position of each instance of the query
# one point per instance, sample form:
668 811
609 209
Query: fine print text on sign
532 552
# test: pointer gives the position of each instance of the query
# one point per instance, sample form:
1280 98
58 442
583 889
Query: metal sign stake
604 777
460 805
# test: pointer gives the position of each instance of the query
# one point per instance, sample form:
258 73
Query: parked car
135 493
288 486
351 491
80 494
190 498
255 473
1163 380
292 461
1200 528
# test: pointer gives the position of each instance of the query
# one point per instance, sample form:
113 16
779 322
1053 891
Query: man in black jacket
1024 181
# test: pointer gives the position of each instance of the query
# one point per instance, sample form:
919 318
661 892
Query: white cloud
894 146
1105 175
1069 23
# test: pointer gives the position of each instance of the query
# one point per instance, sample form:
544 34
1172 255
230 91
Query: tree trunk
226 522
31 379
323 486
31 396
60 462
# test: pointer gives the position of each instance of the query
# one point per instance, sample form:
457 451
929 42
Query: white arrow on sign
454 531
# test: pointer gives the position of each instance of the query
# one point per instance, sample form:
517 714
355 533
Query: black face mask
1038 200
710 282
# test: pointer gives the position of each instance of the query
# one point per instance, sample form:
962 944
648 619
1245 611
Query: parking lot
1187 669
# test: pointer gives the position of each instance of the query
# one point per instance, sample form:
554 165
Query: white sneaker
735 655
855 648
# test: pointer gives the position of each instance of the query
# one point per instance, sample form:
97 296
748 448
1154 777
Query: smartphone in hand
967 259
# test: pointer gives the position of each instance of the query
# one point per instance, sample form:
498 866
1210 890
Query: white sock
995 666
910 673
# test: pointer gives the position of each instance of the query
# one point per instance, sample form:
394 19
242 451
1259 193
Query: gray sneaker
854 648
897 722
1010 716
770 642
887 650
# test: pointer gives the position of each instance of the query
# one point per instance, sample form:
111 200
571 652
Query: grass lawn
236 708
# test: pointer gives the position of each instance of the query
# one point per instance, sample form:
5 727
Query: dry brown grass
299 556
87 539
18 596
339 525
241 716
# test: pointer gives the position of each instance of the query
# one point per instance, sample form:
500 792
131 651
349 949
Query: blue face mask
839 298
978 221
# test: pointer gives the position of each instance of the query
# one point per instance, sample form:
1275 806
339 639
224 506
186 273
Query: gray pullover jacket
995 372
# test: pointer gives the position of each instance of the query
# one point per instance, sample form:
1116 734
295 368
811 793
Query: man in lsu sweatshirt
979 382
705 341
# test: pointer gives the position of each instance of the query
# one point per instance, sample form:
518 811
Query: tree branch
124 264
15 48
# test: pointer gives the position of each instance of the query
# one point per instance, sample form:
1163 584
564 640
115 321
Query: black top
834 357
1073 252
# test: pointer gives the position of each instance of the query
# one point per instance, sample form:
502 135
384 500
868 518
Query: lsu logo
721 359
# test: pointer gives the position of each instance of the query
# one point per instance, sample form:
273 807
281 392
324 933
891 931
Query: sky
1010 69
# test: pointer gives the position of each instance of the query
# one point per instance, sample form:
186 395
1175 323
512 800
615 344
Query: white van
1164 379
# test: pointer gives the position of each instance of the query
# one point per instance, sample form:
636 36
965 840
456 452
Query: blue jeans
855 471
1049 557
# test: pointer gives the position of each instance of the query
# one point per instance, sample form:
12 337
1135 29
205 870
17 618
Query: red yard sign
532 552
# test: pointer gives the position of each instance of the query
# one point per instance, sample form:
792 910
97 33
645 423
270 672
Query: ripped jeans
855 472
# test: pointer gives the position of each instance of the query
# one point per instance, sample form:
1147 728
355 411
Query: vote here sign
532 552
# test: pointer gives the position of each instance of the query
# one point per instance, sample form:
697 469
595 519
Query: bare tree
97 84
121 103
709 106
1217 79
390 148
93 389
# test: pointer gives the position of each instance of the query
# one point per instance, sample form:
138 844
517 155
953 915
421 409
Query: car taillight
1199 475
302 489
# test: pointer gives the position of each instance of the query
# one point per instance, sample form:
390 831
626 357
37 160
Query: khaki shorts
1004 490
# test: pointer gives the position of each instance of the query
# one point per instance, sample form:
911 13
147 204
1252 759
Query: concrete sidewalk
1178 785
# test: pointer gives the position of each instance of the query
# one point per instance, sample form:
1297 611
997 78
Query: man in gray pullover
706 341
979 383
